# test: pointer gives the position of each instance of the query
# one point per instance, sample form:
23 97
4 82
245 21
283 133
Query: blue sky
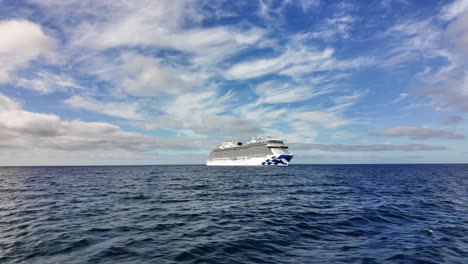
162 82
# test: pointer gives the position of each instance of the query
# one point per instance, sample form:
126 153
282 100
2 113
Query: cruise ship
257 152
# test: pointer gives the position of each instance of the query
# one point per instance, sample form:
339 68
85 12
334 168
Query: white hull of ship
282 160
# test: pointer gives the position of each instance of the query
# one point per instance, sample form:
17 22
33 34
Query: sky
162 82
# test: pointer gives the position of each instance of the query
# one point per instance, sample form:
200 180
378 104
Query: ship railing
274 145
238 158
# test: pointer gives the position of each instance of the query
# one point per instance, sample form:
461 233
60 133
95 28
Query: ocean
198 214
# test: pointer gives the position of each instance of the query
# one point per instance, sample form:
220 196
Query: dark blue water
198 214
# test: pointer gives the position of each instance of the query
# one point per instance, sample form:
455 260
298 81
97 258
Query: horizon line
199 164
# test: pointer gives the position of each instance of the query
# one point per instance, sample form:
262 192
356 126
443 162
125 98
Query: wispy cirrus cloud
117 109
46 82
204 112
418 133
401 97
339 24
442 36
273 12
140 75
294 63
451 120
454 9
276 92
366 148
173 25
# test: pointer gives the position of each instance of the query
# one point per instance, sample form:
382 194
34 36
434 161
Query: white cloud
7 103
208 45
411 39
301 122
118 109
276 92
340 25
20 129
457 32
22 42
398 59
418 133
293 123
345 101
323 118
219 126
256 68
366 148
448 87
205 112
52 157
401 97
146 76
266 115
451 11
445 84
47 82
337 25
274 13
294 63
199 103
388 3
308 4
172 25
140 75
226 125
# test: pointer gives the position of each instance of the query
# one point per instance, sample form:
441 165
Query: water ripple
198 214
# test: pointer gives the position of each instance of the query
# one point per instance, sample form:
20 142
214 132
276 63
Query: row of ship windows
238 158
254 151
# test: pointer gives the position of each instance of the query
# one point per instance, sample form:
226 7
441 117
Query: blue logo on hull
280 160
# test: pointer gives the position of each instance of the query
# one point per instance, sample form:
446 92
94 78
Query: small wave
136 197
115 253
76 245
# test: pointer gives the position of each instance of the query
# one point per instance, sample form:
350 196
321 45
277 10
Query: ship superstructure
257 152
